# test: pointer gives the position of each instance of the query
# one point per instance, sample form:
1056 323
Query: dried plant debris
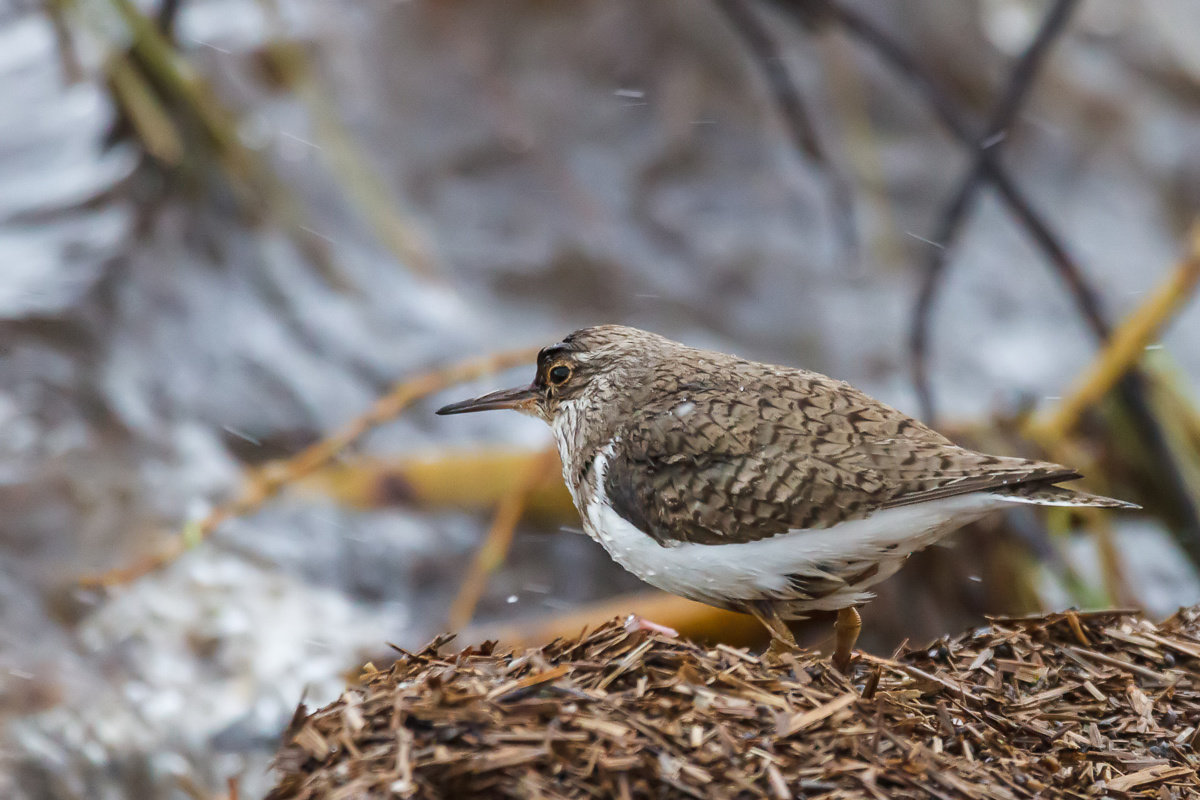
1086 705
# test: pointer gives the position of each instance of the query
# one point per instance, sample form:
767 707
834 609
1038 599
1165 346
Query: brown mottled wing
802 451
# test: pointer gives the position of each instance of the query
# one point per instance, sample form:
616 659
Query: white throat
568 437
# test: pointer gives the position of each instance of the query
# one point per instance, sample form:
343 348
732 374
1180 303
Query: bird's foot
635 623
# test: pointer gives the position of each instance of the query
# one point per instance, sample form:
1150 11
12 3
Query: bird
769 490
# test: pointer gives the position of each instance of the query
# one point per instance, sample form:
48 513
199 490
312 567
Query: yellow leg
781 635
846 629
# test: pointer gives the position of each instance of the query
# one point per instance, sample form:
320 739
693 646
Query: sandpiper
764 489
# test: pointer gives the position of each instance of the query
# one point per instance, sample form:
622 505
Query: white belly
730 574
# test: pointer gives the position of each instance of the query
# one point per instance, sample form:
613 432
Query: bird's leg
781 635
845 630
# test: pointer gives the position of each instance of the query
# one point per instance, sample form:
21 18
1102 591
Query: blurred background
229 228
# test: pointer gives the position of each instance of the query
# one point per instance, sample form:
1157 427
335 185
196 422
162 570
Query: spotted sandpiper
763 489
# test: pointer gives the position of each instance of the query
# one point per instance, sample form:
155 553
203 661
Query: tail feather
1043 493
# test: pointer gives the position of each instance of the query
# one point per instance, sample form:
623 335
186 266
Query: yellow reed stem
1124 348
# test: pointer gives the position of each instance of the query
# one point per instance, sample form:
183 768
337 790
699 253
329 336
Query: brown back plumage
711 448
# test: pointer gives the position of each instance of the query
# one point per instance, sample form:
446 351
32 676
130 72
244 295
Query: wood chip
811 717
627 715
1147 776
511 687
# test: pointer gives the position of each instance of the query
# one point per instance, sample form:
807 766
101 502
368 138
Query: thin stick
362 184
792 109
261 484
68 54
494 550
948 114
1132 387
257 189
962 202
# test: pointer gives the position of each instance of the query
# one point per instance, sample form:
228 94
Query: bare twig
948 114
963 200
1132 388
172 83
362 184
262 484
792 109
68 54
144 110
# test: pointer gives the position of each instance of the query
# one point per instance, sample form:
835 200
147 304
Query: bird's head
593 368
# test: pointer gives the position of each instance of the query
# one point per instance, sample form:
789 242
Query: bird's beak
521 399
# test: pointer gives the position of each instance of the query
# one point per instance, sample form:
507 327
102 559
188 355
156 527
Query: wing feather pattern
799 451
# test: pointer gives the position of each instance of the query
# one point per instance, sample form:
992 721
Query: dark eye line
551 352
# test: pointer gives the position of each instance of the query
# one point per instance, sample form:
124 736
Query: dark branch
947 113
1132 388
787 98
168 12
963 200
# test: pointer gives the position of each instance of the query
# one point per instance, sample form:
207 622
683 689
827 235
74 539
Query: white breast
724 574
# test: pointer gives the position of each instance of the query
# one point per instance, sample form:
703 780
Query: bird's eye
559 374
